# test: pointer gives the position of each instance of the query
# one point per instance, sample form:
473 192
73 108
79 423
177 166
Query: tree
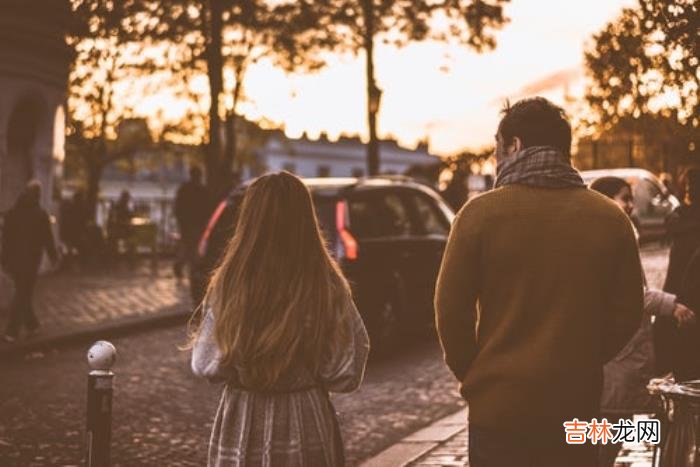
97 131
643 75
232 34
359 24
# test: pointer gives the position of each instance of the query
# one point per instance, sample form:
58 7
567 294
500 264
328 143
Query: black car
387 233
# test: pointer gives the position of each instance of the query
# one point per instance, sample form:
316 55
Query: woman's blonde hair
277 296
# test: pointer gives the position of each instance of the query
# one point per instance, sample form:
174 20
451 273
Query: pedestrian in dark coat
26 236
686 364
684 230
191 211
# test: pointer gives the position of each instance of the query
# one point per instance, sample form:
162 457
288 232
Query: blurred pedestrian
546 273
280 328
684 230
74 223
686 364
26 235
119 222
191 211
625 377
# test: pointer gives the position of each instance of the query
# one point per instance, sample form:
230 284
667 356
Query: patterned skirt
297 428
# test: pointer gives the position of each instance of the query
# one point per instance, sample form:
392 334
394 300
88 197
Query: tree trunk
231 136
230 149
373 92
215 179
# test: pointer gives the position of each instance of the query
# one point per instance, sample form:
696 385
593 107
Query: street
163 414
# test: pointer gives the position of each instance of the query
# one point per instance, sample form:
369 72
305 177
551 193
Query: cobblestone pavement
163 414
70 300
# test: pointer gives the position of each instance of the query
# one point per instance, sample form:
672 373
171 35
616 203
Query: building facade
346 157
34 64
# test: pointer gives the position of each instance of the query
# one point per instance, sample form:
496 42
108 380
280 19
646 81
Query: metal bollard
101 358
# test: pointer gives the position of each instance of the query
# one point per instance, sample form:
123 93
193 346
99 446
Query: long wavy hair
277 295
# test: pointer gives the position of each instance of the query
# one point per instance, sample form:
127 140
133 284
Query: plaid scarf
540 166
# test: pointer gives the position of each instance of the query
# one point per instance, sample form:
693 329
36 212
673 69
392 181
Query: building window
358 173
323 171
290 167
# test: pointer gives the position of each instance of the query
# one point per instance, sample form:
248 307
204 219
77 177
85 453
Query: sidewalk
85 304
445 443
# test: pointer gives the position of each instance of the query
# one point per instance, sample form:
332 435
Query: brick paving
69 301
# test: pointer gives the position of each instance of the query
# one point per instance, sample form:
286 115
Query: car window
644 192
325 211
430 220
380 214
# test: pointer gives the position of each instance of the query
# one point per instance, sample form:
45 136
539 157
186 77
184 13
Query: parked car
387 233
652 201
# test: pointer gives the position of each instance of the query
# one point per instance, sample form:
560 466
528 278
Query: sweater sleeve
625 306
206 357
456 294
344 371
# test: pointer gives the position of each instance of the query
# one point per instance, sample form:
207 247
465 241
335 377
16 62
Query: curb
168 316
416 445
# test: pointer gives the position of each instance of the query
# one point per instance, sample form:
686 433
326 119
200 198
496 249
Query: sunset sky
449 94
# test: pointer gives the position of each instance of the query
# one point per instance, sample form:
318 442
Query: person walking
626 376
686 364
26 235
683 227
119 223
280 330
191 213
540 285
74 224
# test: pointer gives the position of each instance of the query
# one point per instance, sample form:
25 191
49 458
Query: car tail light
202 247
346 240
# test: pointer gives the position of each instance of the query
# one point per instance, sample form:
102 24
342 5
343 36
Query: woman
280 329
625 377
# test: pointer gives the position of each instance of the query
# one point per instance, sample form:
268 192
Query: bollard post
101 358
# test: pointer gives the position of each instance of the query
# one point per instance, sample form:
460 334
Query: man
26 235
119 223
684 229
540 285
191 212
74 223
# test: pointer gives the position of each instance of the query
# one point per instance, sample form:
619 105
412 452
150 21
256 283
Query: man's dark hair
536 122
610 186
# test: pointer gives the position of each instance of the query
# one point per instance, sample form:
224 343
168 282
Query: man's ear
515 146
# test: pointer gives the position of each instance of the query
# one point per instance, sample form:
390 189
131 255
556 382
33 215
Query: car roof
628 172
333 186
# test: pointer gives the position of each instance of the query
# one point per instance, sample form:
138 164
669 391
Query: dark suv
387 233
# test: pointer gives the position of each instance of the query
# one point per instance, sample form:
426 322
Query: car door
430 231
651 208
380 222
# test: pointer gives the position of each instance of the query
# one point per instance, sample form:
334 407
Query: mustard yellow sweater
538 288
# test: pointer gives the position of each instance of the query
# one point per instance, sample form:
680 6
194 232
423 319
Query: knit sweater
538 288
